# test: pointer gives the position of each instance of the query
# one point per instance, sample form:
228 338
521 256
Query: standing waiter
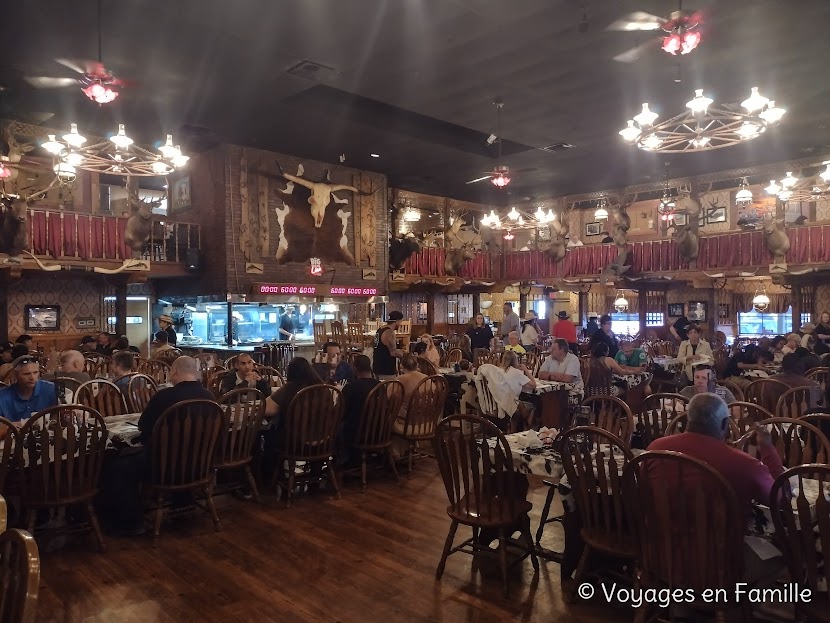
166 324
384 363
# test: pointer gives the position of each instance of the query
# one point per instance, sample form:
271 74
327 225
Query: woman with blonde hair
432 355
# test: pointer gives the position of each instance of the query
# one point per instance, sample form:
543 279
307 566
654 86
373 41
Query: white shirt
569 365
529 335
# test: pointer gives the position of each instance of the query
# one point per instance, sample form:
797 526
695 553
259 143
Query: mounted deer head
14 151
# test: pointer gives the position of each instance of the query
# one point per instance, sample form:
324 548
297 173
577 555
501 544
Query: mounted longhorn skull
321 193
140 223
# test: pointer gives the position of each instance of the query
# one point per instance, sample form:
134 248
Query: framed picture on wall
697 311
723 311
716 215
180 195
593 229
675 310
42 317
680 219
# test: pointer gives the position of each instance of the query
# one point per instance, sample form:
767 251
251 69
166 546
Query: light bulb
825 175
168 150
772 114
121 140
651 142
540 214
73 138
789 181
744 195
748 130
65 171
773 187
700 103
601 213
53 146
180 159
160 168
755 101
699 142
513 215
73 159
784 195
646 117
630 133
550 216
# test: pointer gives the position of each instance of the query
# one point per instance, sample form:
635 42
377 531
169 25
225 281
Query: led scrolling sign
315 290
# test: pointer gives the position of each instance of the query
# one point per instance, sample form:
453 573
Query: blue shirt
15 408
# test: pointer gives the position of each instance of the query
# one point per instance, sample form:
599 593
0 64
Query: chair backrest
320 336
67 388
478 476
8 457
245 410
734 388
378 414
337 334
230 362
168 356
821 376
92 361
612 415
746 414
765 392
802 528
531 360
102 370
599 378
310 427
155 368
455 356
425 407
585 369
275 379
139 391
481 356
19 577
405 328
487 406
62 453
103 396
697 551
796 401
426 367
354 335
721 360
655 414
184 443
796 441
678 425
594 460
214 384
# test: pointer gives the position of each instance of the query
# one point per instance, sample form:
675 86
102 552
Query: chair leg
503 561
217 526
411 456
392 464
580 571
96 527
333 480
159 515
363 471
545 512
447 547
529 543
252 484
289 492
31 517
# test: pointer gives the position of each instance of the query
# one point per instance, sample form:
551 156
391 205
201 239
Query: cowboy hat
166 318
563 315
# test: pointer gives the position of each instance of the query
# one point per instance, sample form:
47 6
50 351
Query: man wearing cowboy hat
564 329
166 324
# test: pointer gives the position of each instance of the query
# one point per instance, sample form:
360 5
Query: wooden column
121 309
582 310
476 305
430 312
522 305
642 302
796 306
4 311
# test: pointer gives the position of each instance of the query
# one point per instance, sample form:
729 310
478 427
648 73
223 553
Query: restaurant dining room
414 311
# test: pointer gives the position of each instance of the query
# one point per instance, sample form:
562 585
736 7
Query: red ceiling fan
97 82
500 175
681 28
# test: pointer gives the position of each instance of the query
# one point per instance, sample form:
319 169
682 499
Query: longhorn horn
299 180
41 265
114 271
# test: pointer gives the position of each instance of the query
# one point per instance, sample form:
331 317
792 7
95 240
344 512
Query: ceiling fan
500 175
97 82
681 27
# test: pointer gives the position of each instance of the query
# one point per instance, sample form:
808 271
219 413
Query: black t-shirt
480 337
732 368
354 396
166 398
611 340
681 325
383 362
172 338
286 324
284 395
824 330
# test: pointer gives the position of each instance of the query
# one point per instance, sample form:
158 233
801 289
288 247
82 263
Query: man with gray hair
71 366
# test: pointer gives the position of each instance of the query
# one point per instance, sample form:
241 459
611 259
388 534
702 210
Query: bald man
187 385
71 366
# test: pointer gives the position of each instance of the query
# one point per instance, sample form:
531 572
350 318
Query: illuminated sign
316 290
316 267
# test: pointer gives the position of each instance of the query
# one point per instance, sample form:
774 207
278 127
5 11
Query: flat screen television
43 317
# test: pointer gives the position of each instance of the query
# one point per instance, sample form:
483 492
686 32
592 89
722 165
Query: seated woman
506 382
466 348
432 355
693 351
601 360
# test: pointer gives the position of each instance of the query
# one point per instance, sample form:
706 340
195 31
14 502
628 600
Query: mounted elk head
15 216
321 193
688 242
775 235
558 240
140 223
455 259
14 152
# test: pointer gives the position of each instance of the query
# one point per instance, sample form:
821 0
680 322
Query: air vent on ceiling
556 147
310 70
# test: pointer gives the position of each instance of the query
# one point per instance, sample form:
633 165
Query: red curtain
37 222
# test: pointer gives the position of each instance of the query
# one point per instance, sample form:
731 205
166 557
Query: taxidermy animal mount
14 216
558 240
775 235
140 223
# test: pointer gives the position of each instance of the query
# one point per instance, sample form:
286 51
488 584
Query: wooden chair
720 357
8 455
426 367
599 378
309 435
139 391
821 376
230 362
487 407
67 389
19 576
182 453
320 336
746 414
803 533
732 387
697 553
595 479
424 409
374 431
796 441
103 396
678 425
214 384
61 450
354 336
655 414
481 356
531 361
585 369
337 334
796 401
102 370
275 379
765 392
168 356
158 370
454 356
207 373
92 361
207 360
235 450
611 415
490 502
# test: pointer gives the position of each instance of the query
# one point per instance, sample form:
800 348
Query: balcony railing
72 235
808 245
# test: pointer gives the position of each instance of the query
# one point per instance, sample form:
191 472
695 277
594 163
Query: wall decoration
723 311
697 311
675 310
593 229
42 317
254 268
370 274
680 220
716 214
180 197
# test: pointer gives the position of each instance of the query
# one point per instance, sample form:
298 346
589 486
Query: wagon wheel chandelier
517 220
703 126
792 188
118 155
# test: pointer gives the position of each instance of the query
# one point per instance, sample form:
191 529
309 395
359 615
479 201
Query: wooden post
582 310
430 312
476 305
642 299
797 305
522 304
4 311
121 309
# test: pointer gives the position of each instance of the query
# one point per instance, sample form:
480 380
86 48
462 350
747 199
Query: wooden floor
366 557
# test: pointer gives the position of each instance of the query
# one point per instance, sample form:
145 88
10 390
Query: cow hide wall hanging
306 218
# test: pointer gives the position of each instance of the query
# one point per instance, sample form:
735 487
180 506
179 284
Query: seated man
330 367
792 373
704 382
630 356
88 344
514 343
354 396
25 340
562 365
71 366
120 367
29 394
159 344
244 377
